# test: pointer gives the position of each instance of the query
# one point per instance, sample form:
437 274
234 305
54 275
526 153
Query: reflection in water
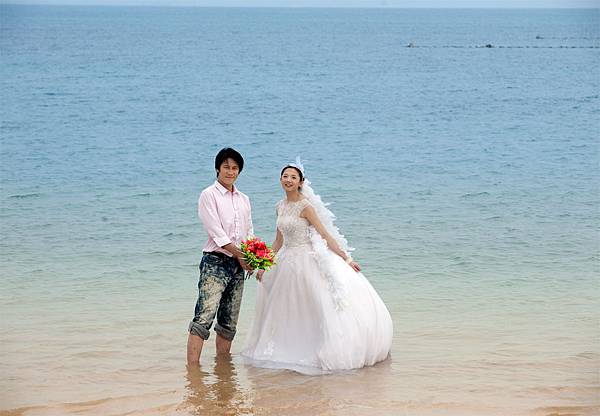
283 392
231 388
216 392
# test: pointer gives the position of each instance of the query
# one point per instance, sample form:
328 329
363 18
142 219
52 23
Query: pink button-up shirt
226 216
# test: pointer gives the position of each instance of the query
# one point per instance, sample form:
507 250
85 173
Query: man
226 215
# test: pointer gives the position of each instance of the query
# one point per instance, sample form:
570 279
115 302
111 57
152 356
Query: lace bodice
294 229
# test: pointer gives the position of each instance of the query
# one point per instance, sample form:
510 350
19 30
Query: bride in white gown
315 312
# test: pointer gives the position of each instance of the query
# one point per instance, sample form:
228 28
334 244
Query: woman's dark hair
293 167
228 153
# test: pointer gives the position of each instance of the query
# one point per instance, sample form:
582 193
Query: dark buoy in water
489 45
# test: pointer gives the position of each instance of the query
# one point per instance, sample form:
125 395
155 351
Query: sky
332 3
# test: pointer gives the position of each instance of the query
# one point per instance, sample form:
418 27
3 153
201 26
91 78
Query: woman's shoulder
303 206
279 205
304 202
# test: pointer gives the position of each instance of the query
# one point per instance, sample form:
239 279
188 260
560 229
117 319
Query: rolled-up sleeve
208 213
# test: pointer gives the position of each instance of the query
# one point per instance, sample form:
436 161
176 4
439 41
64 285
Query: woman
315 311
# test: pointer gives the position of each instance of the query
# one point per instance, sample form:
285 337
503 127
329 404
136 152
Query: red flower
258 254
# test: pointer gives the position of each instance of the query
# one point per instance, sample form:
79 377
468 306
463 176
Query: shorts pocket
211 260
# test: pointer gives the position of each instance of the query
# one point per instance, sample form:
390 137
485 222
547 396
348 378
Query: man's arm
208 213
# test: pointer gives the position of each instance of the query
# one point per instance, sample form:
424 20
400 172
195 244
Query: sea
459 149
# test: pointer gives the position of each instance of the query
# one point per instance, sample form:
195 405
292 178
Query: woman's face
290 180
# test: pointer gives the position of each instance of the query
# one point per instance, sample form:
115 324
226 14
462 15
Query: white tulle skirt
300 325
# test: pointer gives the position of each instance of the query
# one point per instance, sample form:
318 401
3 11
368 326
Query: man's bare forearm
234 250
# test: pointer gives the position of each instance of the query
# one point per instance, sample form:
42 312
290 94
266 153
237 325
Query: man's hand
244 264
237 253
259 275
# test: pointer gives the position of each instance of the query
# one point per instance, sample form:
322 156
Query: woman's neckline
287 201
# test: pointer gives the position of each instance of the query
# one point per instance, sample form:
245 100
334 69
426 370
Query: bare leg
223 345
194 348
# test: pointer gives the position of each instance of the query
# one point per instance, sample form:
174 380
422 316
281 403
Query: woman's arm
278 241
276 246
311 215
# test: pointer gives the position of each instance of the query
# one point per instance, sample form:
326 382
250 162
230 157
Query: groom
226 215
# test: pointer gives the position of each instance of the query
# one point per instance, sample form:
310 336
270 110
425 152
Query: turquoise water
466 177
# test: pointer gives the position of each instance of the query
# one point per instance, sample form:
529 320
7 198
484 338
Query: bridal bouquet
258 254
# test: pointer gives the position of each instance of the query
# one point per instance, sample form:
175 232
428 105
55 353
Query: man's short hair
228 153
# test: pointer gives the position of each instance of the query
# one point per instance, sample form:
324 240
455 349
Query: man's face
228 172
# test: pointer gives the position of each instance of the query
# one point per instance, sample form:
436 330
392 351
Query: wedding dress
314 313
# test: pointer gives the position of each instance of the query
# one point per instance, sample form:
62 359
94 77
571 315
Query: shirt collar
224 190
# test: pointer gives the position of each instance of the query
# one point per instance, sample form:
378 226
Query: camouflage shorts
220 289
